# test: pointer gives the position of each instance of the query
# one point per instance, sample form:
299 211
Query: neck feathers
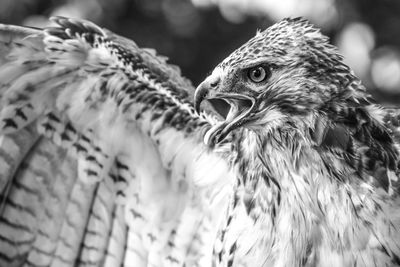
301 209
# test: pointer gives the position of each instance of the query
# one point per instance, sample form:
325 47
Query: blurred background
197 34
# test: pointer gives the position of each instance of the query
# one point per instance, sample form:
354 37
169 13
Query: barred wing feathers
101 154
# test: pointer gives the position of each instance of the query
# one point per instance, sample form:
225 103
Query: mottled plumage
102 160
318 160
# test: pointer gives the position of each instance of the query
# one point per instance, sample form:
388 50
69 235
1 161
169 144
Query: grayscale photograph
199 133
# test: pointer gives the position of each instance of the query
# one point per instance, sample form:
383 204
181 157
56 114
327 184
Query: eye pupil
257 74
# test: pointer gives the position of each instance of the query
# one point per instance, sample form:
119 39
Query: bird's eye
258 74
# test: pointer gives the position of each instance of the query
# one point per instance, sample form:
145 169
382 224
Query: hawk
318 160
103 161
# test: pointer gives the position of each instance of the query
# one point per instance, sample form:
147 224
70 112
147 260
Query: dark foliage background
197 34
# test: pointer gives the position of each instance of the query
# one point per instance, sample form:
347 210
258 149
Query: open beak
234 108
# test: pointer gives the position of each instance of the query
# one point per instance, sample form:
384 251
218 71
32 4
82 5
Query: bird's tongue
239 109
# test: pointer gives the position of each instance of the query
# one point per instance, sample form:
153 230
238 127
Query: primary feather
102 159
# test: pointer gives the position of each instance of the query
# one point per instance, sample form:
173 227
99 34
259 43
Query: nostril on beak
214 82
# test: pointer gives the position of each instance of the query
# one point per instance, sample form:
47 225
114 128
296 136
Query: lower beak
240 109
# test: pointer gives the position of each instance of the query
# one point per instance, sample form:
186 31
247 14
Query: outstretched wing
101 154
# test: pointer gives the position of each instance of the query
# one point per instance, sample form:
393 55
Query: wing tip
75 26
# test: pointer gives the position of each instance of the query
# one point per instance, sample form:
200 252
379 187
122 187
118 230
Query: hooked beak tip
200 94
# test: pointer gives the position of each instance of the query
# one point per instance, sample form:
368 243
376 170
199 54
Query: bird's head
284 72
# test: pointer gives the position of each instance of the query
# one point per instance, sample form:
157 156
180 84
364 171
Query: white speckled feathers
101 154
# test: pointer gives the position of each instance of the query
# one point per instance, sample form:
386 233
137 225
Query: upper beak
206 90
240 108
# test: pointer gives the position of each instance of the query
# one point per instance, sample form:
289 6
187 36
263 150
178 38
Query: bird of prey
318 160
104 161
